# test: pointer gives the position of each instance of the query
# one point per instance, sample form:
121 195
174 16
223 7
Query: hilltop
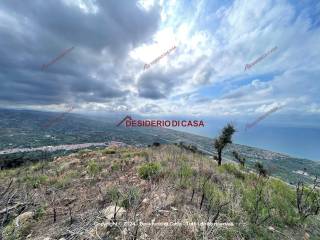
75 197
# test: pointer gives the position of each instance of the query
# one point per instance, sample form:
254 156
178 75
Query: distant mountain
24 129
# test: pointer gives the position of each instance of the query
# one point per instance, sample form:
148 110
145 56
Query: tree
156 144
223 140
261 170
240 159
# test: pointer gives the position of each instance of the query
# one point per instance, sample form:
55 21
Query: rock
271 228
174 209
99 230
20 226
24 218
163 212
109 212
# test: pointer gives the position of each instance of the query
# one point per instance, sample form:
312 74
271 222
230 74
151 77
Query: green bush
256 201
36 181
83 151
113 194
39 213
135 154
185 173
115 167
149 170
232 169
38 166
131 198
283 200
63 181
93 168
11 232
109 151
213 194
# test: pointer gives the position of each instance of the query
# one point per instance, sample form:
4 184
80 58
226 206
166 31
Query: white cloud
213 46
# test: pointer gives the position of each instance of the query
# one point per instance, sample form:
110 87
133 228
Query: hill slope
22 128
79 197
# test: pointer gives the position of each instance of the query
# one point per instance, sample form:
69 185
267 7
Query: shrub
131 198
135 154
156 144
39 213
113 194
256 201
11 232
282 201
261 169
83 151
239 158
185 173
115 167
213 194
217 200
63 180
149 170
38 166
93 168
109 151
232 169
308 199
36 181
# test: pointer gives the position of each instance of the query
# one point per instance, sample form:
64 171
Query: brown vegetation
81 195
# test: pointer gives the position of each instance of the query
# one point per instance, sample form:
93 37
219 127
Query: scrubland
80 195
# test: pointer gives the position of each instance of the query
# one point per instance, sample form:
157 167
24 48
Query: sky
203 77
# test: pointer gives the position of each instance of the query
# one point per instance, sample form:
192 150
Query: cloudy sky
203 76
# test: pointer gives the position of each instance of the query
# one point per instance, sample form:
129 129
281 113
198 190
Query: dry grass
71 193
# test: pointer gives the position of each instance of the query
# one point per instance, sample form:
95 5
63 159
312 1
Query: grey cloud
150 108
34 32
155 85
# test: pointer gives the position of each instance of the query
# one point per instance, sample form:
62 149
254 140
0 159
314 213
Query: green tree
222 141
239 158
261 170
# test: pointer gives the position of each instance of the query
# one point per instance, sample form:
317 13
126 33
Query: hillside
117 193
22 129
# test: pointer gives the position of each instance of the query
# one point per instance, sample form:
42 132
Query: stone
271 228
174 209
99 230
24 218
306 236
109 212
